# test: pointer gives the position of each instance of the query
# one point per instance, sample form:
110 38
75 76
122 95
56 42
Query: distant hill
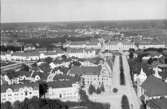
131 24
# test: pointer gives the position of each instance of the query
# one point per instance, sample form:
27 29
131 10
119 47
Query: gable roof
154 86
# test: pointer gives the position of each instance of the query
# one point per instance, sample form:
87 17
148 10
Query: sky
81 10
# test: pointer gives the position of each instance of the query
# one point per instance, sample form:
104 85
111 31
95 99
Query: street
114 99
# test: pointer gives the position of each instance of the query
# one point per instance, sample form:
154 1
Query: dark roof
26 53
85 70
60 84
43 76
45 67
158 103
77 43
15 87
154 86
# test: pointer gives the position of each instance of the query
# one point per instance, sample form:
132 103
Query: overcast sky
81 10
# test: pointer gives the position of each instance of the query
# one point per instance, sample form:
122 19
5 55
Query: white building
148 45
64 91
87 63
139 79
81 53
30 56
83 44
14 93
119 46
94 75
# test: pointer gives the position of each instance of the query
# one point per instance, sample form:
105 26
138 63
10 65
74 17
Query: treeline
160 50
43 42
11 48
37 103
122 76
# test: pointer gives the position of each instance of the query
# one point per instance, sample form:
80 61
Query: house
91 75
19 92
154 88
95 44
81 53
115 45
151 45
63 90
139 79
29 47
163 74
87 63
31 56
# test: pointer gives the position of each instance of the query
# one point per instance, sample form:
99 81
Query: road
114 99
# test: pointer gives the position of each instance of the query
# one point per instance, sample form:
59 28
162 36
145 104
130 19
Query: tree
24 67
6 105
98 90
43 88
150 61
76 63
115 90
122 78
125 102
131 55
132 50
17 105
102 87
91 89
48 59
64 57
82 83
25 104
83 95
135 65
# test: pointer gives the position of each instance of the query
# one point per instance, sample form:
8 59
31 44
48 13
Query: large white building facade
92 75
67 93
19 92
119 46
145 46
83 44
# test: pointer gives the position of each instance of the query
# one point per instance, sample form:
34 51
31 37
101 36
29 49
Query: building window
26 93
60 96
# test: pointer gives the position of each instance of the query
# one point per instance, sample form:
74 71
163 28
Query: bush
91 89
102 87
98 90
122 78
83 96
115 90
125 102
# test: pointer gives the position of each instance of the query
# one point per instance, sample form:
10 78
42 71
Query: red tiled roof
154 86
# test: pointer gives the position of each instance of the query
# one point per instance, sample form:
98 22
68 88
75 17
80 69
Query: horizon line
87 21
